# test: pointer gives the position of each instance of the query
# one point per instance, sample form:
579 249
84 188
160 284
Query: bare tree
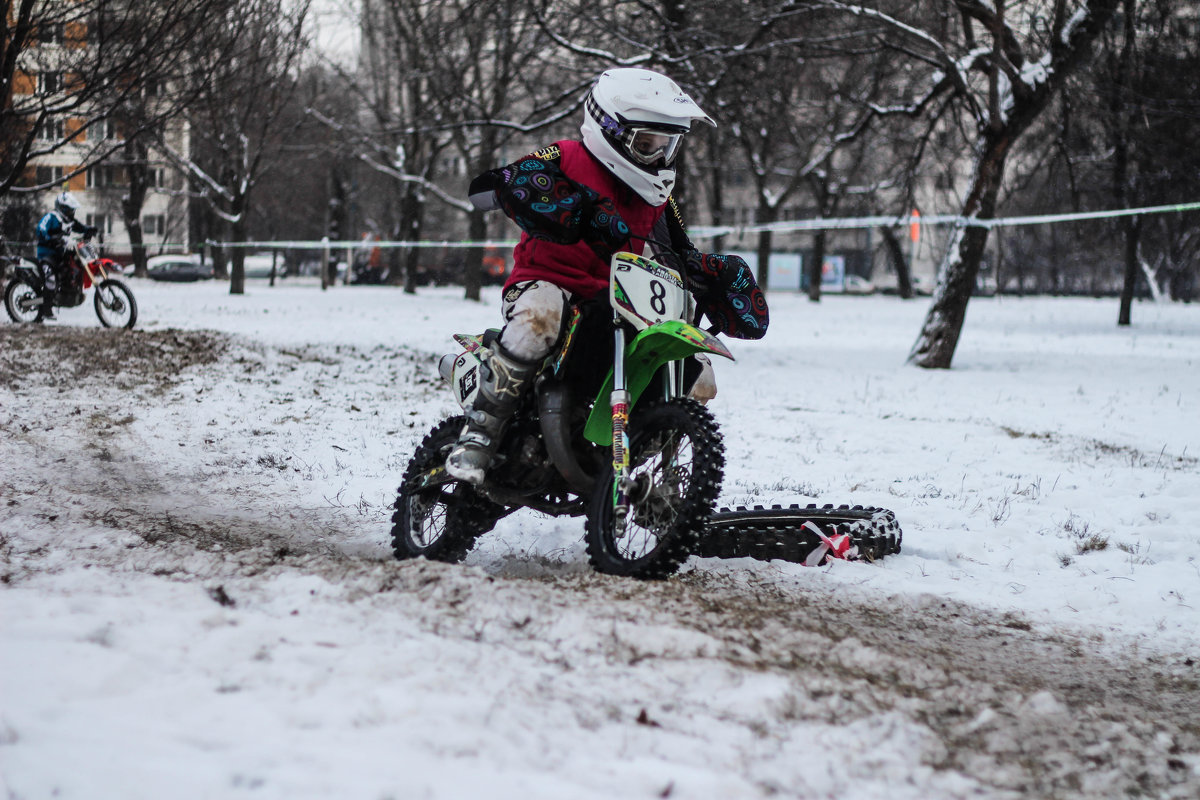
251 65
493 87
986 66
66 69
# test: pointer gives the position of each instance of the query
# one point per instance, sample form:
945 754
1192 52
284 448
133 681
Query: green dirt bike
608 432
628 449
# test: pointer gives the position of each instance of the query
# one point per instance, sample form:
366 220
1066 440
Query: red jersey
576 267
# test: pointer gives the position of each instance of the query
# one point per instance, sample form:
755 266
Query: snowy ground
198 600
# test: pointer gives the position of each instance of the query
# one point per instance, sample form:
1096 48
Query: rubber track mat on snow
779 532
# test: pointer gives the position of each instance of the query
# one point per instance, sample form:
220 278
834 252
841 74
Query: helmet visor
649 145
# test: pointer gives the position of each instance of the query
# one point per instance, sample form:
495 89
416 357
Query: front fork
619 402
623 486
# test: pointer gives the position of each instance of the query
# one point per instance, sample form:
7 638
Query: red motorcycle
82 269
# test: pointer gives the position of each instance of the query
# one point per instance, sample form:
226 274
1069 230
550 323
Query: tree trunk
716 208
959 270
137 170
412 260
899 263
1000 276
409 230
237 275
765 214
816 269
764 258
473 268
1132 228
220 260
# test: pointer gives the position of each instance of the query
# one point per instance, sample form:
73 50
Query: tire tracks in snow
1022 711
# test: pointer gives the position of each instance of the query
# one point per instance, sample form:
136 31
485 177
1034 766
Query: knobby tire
779 532
440 522
670 522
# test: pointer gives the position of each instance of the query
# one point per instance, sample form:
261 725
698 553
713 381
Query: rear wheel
676 463
21 300
433 518
115 305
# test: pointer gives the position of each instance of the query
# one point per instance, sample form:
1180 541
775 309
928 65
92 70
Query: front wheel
21 300
115 305
676 463
436 518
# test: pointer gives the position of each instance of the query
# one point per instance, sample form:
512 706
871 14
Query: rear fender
29 273
671 340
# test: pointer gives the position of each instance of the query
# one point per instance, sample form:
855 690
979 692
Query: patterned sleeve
546 204
727 294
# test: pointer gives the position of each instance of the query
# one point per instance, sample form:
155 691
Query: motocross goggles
644 144
649 145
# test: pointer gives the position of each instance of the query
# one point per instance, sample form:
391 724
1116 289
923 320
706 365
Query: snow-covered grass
198 598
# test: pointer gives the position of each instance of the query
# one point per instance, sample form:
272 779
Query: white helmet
66 205
634 121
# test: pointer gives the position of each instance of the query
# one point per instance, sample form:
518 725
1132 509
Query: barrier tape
956 220
708 231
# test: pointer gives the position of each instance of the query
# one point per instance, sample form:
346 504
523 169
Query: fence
327 249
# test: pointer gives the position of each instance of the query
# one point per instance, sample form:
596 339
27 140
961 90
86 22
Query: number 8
658 294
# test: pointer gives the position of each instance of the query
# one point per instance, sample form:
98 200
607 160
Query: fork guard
659 344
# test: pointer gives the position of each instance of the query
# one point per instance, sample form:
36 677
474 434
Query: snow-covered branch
425 183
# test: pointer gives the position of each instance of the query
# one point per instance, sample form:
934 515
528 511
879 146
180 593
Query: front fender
671 340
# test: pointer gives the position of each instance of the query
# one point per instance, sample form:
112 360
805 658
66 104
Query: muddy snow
197 595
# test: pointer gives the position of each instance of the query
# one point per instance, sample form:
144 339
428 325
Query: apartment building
87 154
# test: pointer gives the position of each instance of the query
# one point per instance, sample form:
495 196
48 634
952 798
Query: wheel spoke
436 519
676 465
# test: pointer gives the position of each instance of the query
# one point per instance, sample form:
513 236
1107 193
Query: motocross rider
577 203
51 234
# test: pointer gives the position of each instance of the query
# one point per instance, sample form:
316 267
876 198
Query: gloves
90 232
728 295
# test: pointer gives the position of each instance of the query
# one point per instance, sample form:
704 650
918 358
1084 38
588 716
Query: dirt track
1024 712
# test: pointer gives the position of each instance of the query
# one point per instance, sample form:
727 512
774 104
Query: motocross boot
49 290
46 309
503 381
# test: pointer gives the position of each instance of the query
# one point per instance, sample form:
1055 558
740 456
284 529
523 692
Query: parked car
856 284
924 284
259 265
185 267
851 284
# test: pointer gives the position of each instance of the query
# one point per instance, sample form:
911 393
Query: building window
49 82
103 176
50 33
154 224
47 175
102 222
50 129
158 178
108 129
